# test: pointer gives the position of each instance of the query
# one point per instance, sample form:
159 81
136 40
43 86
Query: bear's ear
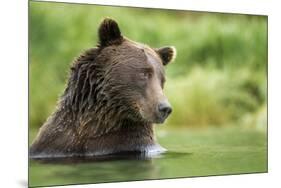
109 32
167 54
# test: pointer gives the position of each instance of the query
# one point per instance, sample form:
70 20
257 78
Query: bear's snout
164 110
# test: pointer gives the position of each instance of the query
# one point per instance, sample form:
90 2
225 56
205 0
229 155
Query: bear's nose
165 109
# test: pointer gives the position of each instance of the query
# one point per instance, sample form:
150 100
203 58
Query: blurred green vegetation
219 76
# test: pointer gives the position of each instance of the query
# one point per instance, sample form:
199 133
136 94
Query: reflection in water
232 151
111 157
122 167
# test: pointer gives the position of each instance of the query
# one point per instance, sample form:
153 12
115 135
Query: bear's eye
144 75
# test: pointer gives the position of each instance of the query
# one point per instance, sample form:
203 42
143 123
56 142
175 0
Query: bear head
134 74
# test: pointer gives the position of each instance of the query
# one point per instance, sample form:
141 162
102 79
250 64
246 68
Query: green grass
215 97
218 78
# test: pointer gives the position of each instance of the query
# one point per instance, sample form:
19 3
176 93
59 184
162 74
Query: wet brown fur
98 112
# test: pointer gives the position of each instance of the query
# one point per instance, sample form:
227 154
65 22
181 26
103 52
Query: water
190 153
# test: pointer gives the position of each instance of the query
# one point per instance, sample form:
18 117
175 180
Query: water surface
190 153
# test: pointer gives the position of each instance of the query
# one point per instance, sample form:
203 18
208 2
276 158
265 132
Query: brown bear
113 96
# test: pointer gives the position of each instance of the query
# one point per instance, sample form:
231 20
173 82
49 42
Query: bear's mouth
156 118
161 119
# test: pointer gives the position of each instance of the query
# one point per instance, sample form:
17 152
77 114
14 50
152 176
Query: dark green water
190 153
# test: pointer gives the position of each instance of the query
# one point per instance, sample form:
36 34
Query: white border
14 83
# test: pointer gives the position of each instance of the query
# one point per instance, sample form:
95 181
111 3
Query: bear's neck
108 126
130 136
102 133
